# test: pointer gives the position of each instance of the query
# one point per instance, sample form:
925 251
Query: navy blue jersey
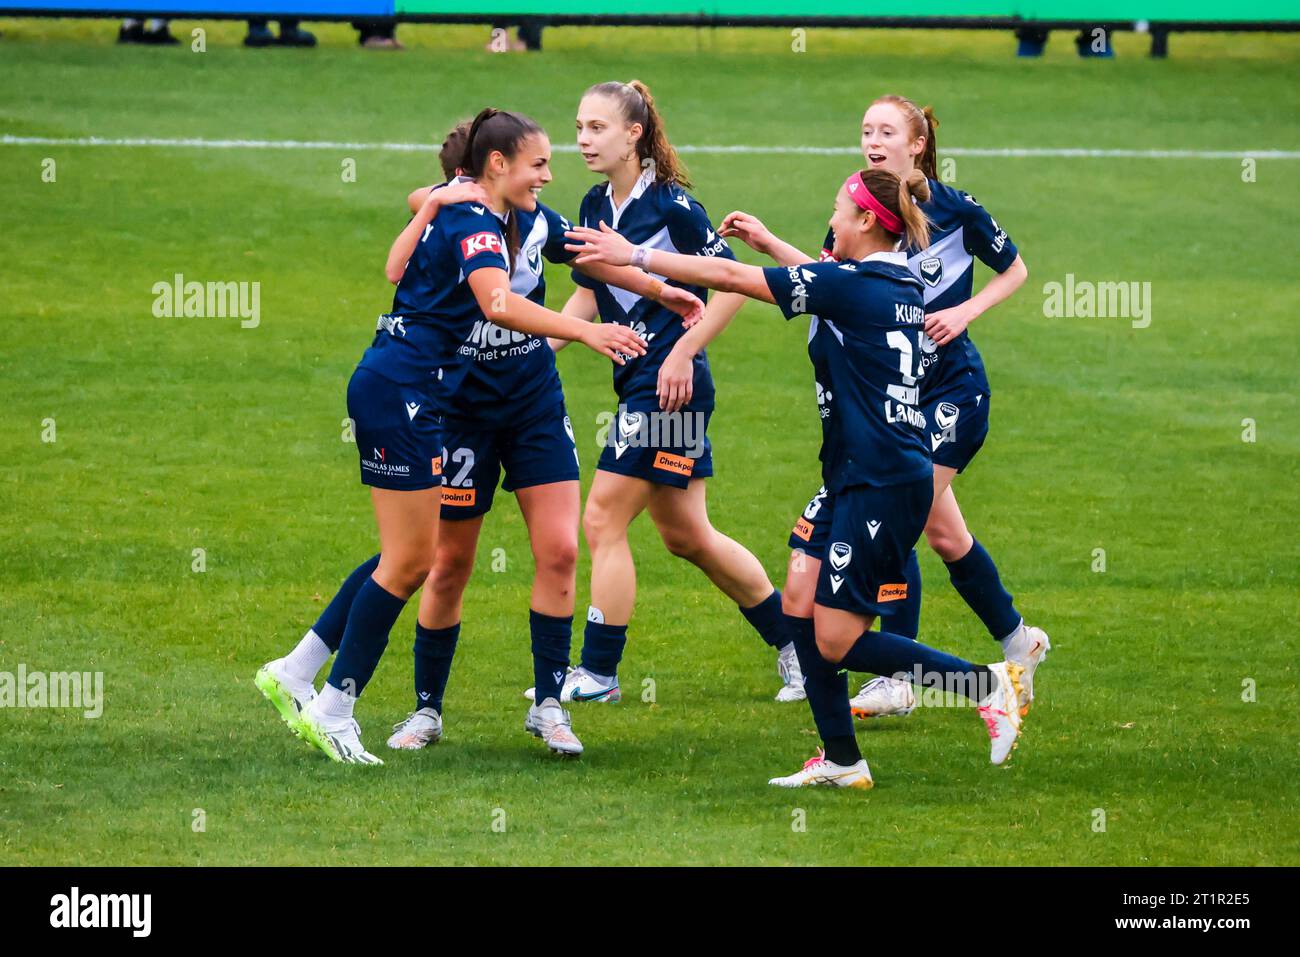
660 217
513 373
434 308
961 230
865 344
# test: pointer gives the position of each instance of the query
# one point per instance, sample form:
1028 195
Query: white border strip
1013 152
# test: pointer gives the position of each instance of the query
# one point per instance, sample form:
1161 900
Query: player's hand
749 229
602 245
676 380
458 193
612 340
947 324
683 302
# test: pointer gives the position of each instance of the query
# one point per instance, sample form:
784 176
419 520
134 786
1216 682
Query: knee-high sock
827 688
976 579
434 648
374 612
904 617
322 639
551 638
883 653
329 626
602 647
768 620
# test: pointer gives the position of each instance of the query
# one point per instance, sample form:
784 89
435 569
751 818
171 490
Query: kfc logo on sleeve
471 246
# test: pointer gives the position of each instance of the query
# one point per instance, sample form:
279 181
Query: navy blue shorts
537 451
957 425
667 448
871 533
398 433
810 531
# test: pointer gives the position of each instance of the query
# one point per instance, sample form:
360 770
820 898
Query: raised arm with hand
753 233
433 200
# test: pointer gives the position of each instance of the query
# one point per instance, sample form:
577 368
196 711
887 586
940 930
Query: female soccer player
652 461
403 385
865 345
899 136
509 414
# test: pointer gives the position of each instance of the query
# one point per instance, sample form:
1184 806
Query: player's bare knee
948 544
688 543
557 559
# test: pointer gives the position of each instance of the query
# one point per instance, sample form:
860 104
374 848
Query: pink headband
862 196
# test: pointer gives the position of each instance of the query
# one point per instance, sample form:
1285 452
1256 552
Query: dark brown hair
452 154
920 122
896 195
498 131
637 106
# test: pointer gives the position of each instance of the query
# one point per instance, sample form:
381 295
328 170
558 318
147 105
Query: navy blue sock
828 693
602 647
551 637
768 620
374 612
904 616
329 626
976 579
883 653
434 648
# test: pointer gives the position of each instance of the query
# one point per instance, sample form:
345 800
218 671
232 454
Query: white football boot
581 685
417 730
882 698
1000 710
553 725
339 738
787 666
818 770
1027 648
289 695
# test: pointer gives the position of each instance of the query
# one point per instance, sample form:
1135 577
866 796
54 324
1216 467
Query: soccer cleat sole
862 714
275 693
321 740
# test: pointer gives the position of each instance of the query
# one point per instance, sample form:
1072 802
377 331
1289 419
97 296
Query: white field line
339 146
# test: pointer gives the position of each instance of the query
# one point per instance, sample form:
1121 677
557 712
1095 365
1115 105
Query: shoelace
991 722
402 724
873 683
818 758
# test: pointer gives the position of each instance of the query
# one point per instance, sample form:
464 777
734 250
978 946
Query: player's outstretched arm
725 275
685 304
491 287
753 233
431 200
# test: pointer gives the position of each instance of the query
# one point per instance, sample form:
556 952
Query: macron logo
103 910
412 408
